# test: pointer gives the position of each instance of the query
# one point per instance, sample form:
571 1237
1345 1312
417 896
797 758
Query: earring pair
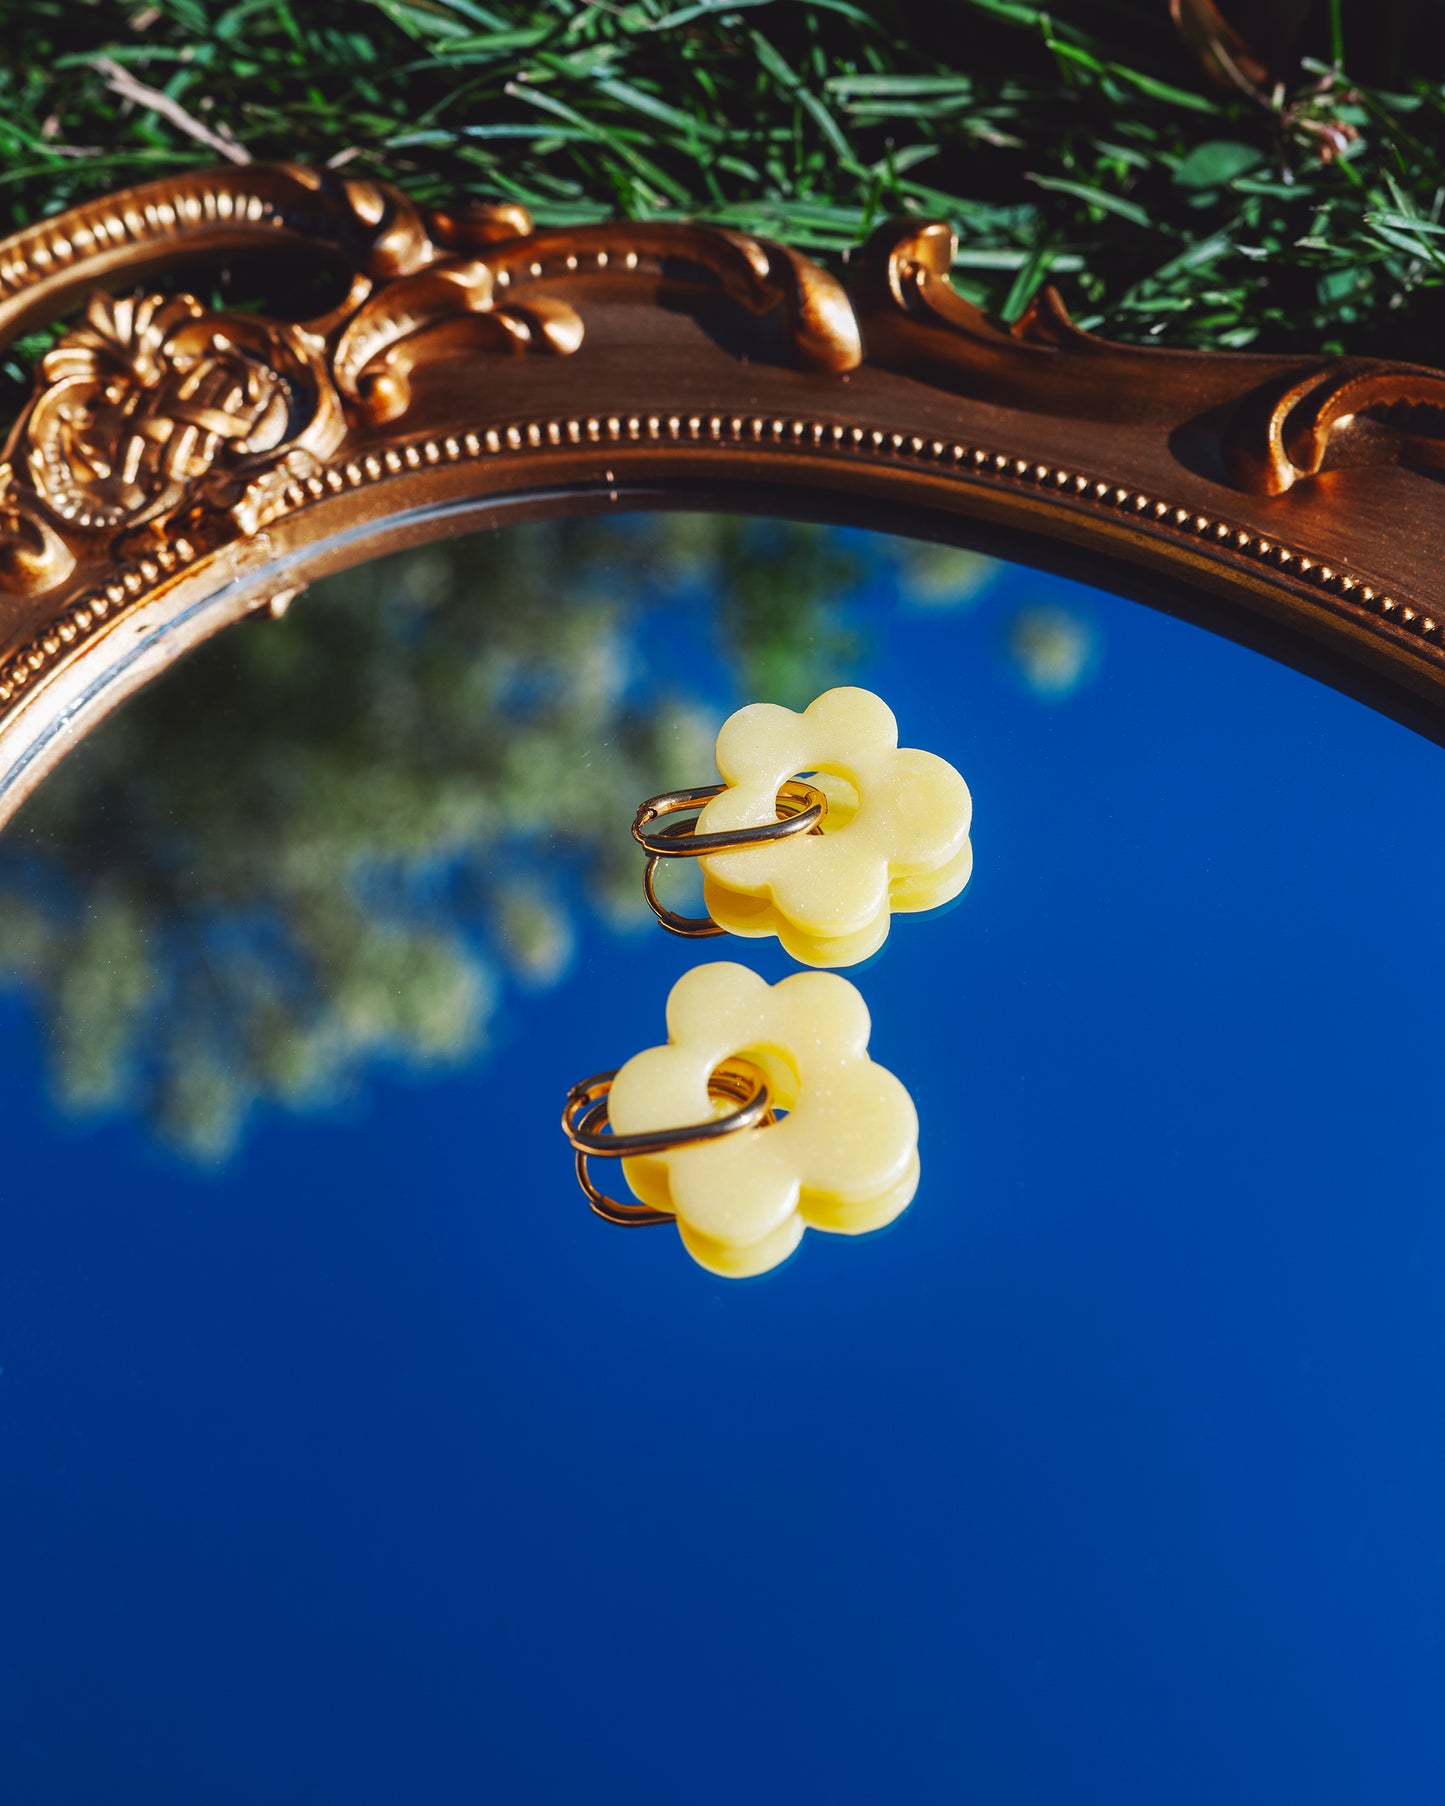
821 829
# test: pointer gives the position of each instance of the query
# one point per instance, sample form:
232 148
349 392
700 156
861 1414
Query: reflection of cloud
1052 649
943 576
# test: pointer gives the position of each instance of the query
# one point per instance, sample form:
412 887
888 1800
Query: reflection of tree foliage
321 841
1052 649
934 576
777 581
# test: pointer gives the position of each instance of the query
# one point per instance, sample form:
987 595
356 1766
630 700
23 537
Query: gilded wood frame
178 467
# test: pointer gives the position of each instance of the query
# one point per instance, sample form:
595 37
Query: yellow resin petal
756 917
742 1263
931 890
860 1216
764 737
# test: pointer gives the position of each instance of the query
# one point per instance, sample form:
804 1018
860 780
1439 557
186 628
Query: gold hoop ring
801 809
584 1117
691 928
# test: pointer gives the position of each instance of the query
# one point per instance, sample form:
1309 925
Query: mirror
323 1389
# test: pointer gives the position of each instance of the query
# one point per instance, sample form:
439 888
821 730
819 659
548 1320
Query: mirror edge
177 467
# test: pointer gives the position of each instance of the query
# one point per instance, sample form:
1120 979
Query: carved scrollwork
494 301
1265 423
1284 430
434 310
915 321
146 400
284 207
150 395
818 325
34 556
154 403
152 399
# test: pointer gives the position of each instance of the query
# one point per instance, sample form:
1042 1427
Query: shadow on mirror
339 839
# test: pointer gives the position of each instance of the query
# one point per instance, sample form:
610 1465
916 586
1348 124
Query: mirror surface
347 1456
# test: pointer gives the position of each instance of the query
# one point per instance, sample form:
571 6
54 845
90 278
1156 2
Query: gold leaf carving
151 394
1266 423
818 327
144 400
915 321
33 554
434 310
1284 430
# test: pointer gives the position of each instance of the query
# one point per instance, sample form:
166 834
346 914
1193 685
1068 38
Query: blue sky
372 1468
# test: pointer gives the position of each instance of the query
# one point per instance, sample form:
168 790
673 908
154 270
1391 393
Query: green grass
1082 146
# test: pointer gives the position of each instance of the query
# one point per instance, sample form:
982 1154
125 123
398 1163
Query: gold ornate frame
178 467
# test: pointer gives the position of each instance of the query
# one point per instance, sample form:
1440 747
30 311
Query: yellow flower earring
823 859
762 1116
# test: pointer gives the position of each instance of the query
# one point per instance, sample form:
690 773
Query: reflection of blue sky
374 1469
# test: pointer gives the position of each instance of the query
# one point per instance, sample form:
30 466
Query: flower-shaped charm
843 1158
895 835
